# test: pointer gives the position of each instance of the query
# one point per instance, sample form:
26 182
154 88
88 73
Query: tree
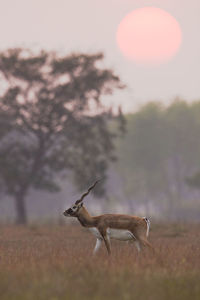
142 153
56 122
161 150
193 176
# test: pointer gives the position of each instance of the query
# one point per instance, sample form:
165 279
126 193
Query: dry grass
55 262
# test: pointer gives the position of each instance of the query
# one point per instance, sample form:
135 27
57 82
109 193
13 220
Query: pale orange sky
90 25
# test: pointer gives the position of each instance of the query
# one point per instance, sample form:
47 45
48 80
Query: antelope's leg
144 242
106 240
136 242
137 245
97 246
107 243
141 240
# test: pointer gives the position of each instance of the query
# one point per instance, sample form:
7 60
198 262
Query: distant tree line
159 158
52 122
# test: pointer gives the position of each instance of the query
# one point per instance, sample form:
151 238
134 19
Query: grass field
55 262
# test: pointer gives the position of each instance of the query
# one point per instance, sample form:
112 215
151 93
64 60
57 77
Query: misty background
78 111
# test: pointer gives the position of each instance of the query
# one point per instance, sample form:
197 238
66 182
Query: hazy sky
90 26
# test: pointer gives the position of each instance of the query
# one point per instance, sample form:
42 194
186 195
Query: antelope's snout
68 212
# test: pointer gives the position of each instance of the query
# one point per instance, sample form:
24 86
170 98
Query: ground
54 262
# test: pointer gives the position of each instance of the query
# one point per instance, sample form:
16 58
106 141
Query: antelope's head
73 211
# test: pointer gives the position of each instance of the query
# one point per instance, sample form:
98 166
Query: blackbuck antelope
111 226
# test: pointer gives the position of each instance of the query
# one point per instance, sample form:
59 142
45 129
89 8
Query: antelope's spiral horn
85 194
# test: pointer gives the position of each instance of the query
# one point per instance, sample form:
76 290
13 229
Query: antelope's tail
148 225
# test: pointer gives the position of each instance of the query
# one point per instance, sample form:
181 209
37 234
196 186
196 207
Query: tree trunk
21 217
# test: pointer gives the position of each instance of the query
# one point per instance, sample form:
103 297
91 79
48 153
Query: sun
149 36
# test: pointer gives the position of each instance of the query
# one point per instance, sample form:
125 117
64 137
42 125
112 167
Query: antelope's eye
74 207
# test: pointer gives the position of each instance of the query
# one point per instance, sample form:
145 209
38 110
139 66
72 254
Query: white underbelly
118 234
